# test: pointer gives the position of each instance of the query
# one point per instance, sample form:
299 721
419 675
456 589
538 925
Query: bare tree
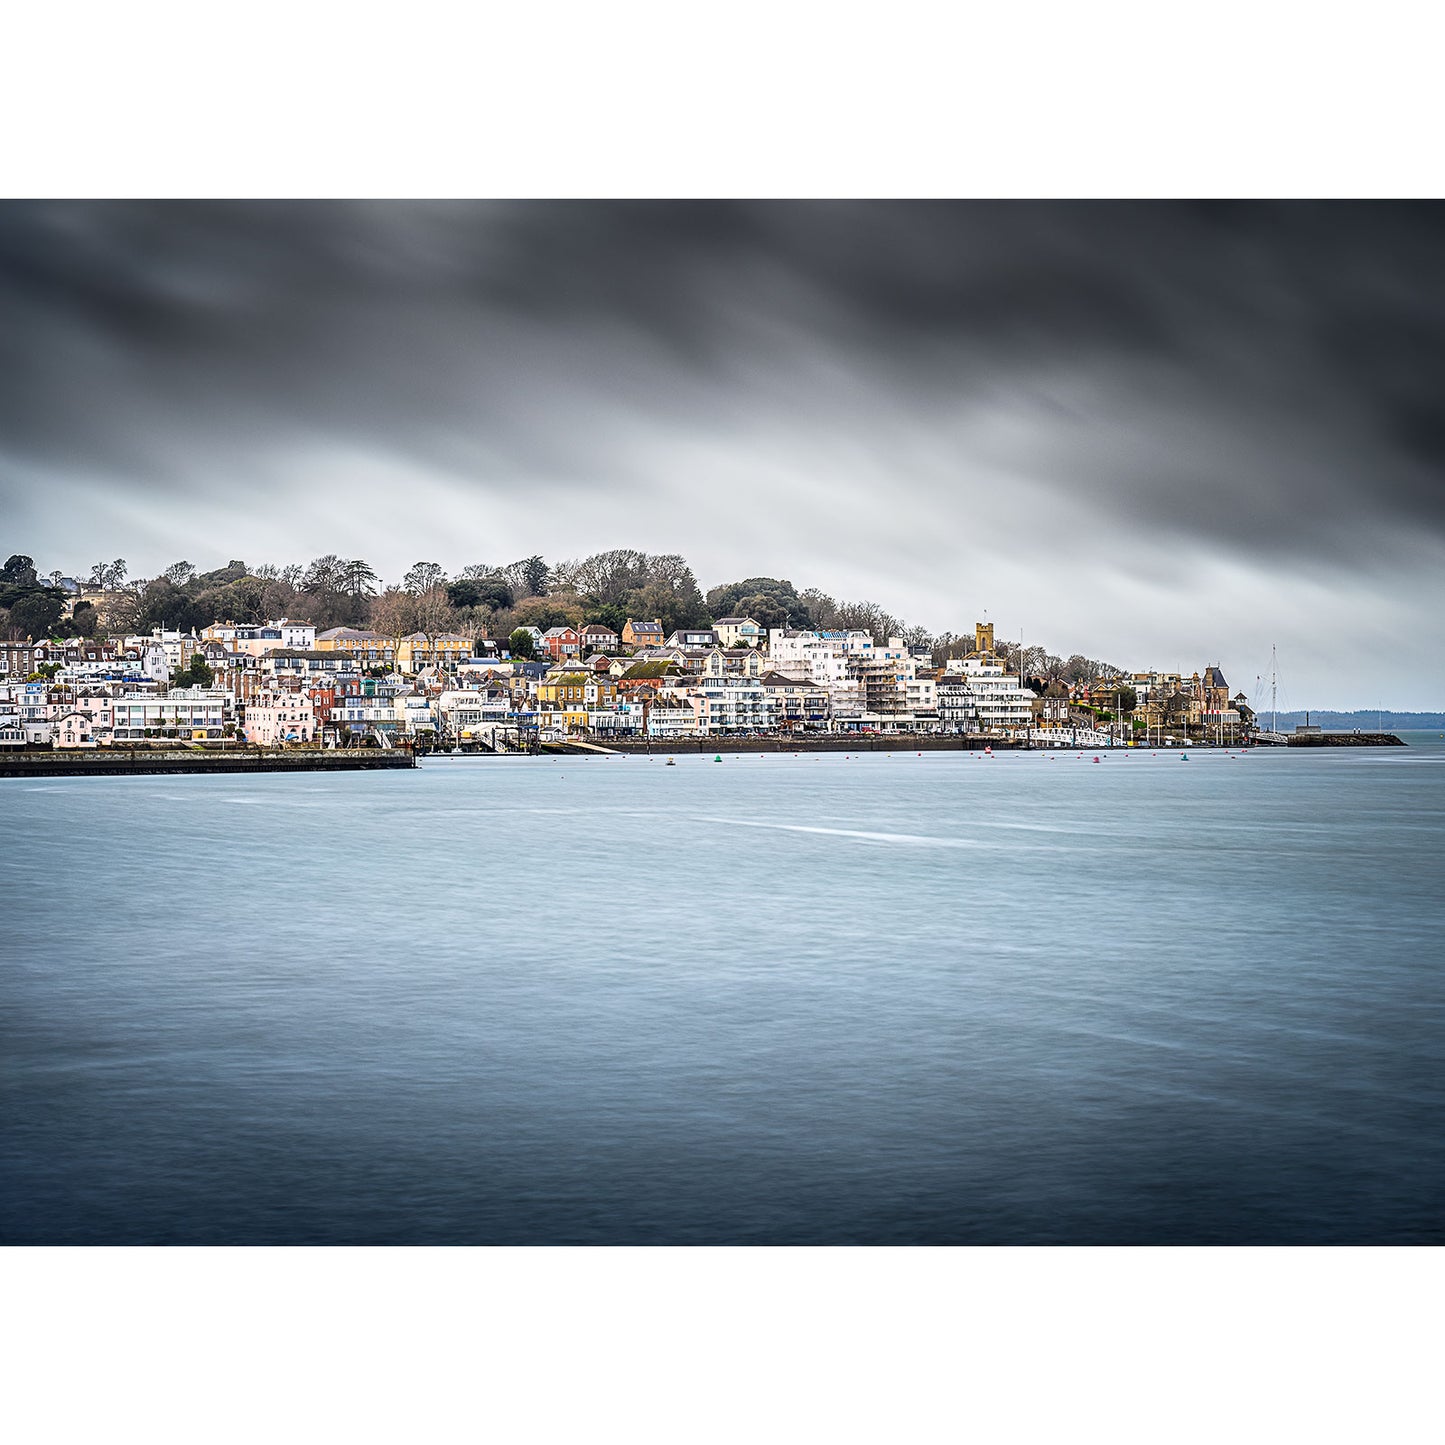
108 575
871 618
434 615
124 604
179 573
422 577
668 569
325 577
607 576
394 616
821 608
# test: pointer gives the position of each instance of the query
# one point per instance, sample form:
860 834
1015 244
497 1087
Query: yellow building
367 649
418 651
563 690
567 700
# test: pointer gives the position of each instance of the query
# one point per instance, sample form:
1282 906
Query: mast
1273 690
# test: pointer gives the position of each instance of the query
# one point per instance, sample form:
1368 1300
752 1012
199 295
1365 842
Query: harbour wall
105 764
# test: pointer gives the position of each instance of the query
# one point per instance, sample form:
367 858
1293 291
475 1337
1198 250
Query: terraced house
366 649
444 649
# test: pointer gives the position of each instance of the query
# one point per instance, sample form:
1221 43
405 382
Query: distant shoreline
1366 719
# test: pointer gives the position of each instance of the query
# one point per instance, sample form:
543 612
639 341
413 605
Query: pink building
276 718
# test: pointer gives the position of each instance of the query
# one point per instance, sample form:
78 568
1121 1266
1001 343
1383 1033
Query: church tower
983 637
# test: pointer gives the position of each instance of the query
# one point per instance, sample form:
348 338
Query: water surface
792 999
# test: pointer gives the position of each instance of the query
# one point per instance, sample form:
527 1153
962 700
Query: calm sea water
882 999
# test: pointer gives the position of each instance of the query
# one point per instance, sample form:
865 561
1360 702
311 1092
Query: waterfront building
658 716
75 730
464 712
957 712
797 703
897 691
413 713
363 706
834 660
994 697
731 704
185 712
276 718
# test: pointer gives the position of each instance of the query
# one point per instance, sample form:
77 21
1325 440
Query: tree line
481 599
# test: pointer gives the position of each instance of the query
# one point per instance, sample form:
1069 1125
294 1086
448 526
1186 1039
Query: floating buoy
718 759
1183 757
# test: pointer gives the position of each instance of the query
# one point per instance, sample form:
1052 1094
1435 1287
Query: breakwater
1344 740
98 764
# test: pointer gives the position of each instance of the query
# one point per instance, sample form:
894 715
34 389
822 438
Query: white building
360 713
738 632
413 713
469 710
832 660
186 712
665 715
262 637
897 691
731 704
996 698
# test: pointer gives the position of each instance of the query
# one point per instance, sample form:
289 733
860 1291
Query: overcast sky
1161 435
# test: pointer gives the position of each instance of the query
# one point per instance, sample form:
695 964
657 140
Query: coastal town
449 682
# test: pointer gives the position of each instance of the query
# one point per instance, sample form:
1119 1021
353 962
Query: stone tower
983 636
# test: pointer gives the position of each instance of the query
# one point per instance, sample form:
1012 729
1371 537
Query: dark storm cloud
1259 379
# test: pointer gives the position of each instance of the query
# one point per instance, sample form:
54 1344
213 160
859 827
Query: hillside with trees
481 599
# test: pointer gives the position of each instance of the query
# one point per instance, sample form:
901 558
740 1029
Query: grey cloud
1259 380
